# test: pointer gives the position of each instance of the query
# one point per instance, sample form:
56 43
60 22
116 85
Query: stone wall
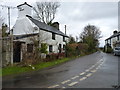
6 51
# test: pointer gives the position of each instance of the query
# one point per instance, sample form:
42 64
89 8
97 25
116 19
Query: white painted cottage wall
25 26
46 37
113 41
26 11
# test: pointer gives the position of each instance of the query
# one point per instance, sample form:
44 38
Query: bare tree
45 11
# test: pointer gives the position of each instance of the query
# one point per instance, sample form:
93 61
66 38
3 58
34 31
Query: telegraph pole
10 31
65 43
65 29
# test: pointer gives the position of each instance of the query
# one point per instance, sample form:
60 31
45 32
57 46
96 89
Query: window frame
53 36
50 48
30 48
63 38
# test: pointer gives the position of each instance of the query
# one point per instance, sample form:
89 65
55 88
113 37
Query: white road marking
90 67
63 87
75 77
73 83
53 86
97 68
93 66
82 73
87 70
88 75
83 78
65 81
93 71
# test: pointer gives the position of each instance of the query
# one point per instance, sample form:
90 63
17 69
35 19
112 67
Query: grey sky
76 15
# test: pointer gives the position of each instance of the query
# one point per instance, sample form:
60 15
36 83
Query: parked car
116 51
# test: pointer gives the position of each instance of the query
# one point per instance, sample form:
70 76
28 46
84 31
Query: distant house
113 41
26 26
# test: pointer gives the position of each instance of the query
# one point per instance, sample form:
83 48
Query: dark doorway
16 51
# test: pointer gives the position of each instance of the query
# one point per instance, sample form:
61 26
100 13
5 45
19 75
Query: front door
16 52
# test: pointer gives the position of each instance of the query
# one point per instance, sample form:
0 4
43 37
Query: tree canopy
91 35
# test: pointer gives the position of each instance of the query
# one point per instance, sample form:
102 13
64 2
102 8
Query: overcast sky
76 15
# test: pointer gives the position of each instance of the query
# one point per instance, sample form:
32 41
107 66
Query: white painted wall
25 26
24 10
46 37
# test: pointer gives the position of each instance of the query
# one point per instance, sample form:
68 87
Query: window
30 48
64 38
63 47
118 38
59 48
53 36
50 48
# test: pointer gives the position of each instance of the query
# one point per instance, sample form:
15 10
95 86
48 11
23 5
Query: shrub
109 50
43 48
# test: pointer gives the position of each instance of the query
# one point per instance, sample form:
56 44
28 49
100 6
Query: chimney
24 9
115 32
56 25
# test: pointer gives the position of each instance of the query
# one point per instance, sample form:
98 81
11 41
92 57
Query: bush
54 56
71 49
109 50
43 48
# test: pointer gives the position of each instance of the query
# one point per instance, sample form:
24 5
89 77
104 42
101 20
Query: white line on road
88 75
75 77
65 81
83 78
53 86
93 66
93 71
87 70
82 73
73 83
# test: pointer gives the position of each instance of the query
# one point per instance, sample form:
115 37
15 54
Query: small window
59 48
118 38
30 48
50 48
63 47
64 38
53 36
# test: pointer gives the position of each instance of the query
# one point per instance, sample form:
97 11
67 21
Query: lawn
17 69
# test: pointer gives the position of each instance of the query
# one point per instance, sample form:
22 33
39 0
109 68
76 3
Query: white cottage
26 27
113 41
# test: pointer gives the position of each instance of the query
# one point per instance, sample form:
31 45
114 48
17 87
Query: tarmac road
98 70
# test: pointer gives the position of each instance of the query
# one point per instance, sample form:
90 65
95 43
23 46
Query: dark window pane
63 38
53 36
63 47
30 48
50 48
59 48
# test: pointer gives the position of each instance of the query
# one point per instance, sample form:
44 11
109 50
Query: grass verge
10 70
17 69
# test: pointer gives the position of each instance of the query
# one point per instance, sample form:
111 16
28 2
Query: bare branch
46 11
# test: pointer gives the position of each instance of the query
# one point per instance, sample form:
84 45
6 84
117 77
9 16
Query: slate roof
46 27
114 35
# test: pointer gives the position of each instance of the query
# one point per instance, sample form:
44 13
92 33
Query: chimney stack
56 25
115 32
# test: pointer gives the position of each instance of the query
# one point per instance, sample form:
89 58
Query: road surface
98 70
